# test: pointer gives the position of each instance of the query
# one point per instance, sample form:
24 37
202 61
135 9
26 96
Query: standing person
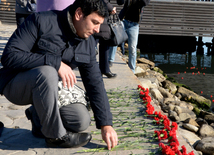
130 14
45 49
23 9
46 5
105 34
103 46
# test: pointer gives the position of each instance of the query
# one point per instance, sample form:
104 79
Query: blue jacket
47 38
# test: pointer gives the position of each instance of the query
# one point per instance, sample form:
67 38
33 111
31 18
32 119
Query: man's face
86 26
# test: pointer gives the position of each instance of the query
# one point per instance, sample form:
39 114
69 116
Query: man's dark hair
90 6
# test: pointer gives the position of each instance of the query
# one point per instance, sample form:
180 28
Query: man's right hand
67 75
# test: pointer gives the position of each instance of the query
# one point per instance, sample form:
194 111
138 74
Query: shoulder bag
118 34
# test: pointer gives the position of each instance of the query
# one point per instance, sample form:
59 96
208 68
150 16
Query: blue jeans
132 30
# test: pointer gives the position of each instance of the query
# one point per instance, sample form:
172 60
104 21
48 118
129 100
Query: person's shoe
110 64
110 75
70 140
36 128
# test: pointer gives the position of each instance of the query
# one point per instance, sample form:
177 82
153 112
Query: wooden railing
178 18
7 11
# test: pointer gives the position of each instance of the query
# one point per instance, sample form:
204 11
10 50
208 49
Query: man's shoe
36 127
70 140
110 75
110 64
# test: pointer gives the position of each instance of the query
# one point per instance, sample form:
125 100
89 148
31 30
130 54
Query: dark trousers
103 57
39 87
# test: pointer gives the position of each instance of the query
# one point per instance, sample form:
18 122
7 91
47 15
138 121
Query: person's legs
75 117
122 48
103 60
132 30
39 86
103 57
112 52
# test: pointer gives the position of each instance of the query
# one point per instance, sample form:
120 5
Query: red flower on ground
163 134
169 131
174 126
184 150
140 87
174 146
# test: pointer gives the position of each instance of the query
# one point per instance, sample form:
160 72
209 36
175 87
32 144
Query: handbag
118 34
72 95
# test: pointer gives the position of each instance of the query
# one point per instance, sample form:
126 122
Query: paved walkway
134 129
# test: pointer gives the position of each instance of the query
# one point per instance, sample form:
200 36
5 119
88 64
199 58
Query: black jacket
47 38
133 10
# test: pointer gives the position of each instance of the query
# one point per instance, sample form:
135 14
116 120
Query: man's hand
109 136
67 75
113 11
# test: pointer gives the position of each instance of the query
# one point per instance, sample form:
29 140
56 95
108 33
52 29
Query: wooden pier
178 18
7 11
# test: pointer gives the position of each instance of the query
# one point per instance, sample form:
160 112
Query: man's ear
78 14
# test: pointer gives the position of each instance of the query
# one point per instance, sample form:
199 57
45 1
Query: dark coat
132 10
47 38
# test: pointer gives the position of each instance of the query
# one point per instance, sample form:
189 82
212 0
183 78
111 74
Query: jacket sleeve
93 83
19 52
144 2
109 5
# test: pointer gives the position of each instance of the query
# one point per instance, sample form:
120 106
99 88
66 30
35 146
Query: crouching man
42 51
